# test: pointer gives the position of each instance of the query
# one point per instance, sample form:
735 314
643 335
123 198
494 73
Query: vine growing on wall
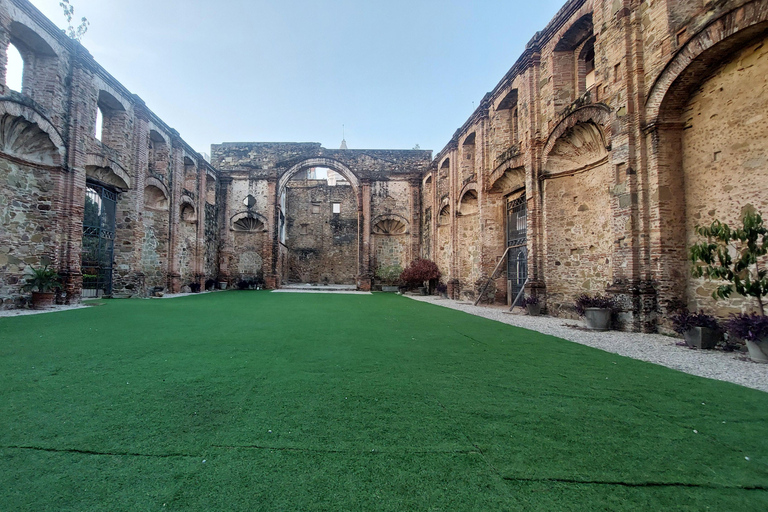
79 31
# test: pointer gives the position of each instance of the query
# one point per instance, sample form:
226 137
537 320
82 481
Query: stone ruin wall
322 245
139 157
384 192
617 166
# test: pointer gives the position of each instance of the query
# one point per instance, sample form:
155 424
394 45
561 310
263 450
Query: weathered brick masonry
294 234
622 126
51 160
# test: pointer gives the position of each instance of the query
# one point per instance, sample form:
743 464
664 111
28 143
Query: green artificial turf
267 401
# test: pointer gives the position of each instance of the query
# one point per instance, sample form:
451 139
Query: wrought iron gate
98 240
517 238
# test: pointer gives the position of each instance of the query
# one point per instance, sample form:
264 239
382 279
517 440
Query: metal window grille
517 237
98 240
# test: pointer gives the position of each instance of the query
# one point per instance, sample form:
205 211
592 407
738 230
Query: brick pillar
415 205
176 177
364 279
225 235
272 274
71 188
141 166
202 187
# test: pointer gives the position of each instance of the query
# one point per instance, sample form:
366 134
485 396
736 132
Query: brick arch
467 188
28 132
598 114
700 55
154 182
329 163
107 171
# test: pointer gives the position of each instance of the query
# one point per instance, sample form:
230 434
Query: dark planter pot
533 309
758 350
43 300
597 319
702 337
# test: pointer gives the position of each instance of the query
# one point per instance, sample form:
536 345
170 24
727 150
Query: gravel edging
653 348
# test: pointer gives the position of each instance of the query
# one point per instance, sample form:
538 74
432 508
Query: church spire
343 138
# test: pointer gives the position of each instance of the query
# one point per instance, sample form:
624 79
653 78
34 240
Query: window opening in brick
190 176
336 207
304 229
99 134
589 65
110 120
14 75
315 208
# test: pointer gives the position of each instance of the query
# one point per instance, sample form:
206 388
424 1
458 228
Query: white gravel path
654 348
25 312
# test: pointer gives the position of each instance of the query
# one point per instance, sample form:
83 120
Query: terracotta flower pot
43 300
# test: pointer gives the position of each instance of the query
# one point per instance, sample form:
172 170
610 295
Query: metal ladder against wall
516 253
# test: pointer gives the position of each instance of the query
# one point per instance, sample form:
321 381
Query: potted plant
597 311
389 276
753 329
532 305
419 273
736 257
442 290
699 330
42 282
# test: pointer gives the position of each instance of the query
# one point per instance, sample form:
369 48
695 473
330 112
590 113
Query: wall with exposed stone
625 125
725 158
51 155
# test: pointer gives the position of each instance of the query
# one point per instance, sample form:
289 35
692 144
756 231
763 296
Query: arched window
14 76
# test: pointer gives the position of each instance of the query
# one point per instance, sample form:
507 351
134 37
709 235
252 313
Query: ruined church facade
622 126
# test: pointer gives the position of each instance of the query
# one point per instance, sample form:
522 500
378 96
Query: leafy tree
78 32
736 256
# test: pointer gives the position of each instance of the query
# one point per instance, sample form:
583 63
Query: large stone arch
318 162
337 250
108 172
706 147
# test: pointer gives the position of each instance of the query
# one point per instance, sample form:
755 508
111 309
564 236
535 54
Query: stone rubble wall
617 167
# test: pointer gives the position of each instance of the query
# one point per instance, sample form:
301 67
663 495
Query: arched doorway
319 224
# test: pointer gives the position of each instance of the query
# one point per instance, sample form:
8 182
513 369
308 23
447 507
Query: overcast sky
396 73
